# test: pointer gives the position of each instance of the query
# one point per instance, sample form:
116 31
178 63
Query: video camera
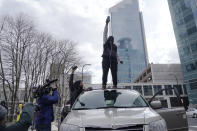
45 89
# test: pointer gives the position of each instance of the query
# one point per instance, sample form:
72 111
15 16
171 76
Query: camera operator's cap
3 112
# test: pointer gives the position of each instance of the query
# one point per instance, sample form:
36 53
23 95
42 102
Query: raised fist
107 20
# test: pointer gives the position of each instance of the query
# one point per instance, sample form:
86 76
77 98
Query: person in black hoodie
110 57
76 88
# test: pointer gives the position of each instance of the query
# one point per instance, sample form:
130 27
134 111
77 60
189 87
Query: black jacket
75 89
109 51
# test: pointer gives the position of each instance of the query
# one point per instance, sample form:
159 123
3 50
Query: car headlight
67 127
159 125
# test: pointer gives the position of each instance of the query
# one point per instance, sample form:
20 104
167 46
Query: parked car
192 112
121 109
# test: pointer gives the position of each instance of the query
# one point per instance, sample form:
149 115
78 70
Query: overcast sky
83 21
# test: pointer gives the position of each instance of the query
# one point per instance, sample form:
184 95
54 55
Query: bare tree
17 36
36 62
28 57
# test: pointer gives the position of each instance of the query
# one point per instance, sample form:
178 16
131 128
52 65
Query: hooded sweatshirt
75 89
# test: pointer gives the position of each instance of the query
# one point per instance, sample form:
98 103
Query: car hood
111 116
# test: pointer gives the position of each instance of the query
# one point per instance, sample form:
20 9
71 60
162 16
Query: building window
186 50
193 84
138 88
174 2
191 30
194 47
183 7
168 89
190 67
179 88
127 87
148 90
157 88
185 90
189 18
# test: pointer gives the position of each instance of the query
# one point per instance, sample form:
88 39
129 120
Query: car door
176 118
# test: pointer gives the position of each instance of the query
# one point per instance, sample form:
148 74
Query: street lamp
82 70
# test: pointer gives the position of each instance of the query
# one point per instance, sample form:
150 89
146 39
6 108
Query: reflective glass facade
184 19
128 31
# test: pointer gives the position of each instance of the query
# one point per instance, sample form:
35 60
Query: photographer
45 114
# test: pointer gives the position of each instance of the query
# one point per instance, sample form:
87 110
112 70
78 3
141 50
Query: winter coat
45 114
25 120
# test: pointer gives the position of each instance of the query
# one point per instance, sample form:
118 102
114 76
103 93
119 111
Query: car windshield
109 99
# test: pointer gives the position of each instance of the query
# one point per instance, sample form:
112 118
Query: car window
109 98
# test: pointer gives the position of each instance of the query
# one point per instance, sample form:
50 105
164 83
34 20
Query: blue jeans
46 127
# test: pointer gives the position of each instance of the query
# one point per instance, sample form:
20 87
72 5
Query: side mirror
156 104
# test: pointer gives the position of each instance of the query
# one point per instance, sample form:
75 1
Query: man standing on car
110 57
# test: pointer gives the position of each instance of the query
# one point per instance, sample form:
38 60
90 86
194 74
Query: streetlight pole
82 70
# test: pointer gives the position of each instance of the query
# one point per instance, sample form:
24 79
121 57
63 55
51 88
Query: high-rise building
128 31
184 19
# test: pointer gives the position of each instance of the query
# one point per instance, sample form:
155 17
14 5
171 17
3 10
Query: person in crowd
24 122
45 114
75 88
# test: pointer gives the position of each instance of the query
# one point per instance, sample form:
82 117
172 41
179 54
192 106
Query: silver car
120 109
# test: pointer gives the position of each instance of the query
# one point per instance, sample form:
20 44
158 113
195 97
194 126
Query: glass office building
184 19
128 30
